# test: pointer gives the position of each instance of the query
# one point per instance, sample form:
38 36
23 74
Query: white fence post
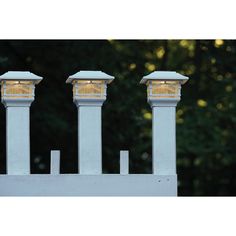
89 93
163 139
124 162
18 140
163 96
55 162
17 95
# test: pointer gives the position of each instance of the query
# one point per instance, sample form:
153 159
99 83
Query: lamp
89 85
162 85
89 89
18 85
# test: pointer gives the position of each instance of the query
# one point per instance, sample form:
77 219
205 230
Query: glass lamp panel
2 90
89 88
164 89
18 89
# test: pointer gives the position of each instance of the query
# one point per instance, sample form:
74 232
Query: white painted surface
90 75
163 140
55 162
90 139
88 185
21 75
124 162
18 140
165 75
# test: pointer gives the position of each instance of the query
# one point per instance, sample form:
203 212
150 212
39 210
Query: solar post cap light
17 92
89 93
163 94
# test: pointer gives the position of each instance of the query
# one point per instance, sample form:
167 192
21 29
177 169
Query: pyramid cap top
90 75
21 75
164 75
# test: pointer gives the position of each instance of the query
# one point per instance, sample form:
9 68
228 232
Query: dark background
206 115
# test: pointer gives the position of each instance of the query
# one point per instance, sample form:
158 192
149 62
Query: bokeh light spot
160 52
228 88
150 66
184 43
132 66
218 43
219 106
201 103
147 116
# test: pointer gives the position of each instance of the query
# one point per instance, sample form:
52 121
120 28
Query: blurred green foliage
206 115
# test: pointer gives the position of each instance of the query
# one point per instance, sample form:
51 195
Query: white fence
89 93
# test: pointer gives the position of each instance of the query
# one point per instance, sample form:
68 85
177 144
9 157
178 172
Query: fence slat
124 162
55 162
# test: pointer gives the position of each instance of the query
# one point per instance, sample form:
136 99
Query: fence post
124 162
163 96
89 93
55 162
17 95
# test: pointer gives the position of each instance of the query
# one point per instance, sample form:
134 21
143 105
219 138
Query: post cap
20 75
90 75
164 75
